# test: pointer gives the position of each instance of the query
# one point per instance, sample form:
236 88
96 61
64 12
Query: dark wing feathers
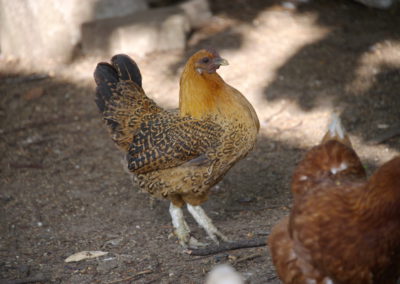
170 141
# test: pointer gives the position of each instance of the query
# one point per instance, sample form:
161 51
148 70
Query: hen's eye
205 60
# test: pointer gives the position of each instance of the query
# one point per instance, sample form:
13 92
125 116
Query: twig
386 136
26 280
249 257
133 277
26 166
228 246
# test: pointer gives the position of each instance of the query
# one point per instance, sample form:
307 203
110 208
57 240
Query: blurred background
62 185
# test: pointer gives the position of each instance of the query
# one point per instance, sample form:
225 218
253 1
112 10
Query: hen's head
206 61
200 84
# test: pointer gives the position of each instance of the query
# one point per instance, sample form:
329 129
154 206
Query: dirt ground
63 188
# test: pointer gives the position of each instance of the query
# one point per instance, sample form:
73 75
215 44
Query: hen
178 155
342 228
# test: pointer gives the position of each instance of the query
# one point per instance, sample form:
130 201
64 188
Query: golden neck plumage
201 95
206 95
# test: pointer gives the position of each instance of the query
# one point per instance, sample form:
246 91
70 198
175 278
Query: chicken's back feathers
333 159
329 161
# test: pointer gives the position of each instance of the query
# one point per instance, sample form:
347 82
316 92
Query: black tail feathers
107 76
127 68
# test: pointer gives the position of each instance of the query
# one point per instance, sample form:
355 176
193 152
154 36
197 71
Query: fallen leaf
82 255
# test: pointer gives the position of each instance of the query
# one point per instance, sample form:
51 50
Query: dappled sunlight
274 37
380 56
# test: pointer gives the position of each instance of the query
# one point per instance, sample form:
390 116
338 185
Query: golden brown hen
342 228
178 156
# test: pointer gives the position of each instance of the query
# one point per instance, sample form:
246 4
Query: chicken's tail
121 99
336 131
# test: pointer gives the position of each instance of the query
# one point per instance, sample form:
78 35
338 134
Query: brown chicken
178 155
342 228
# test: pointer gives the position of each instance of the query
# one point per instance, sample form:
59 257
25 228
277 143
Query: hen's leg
182 230
205 222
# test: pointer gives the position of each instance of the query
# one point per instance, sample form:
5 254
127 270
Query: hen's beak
220 61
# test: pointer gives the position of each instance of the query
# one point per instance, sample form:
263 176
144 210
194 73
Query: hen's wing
166 141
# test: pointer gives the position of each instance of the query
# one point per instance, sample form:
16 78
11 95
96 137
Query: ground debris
82 255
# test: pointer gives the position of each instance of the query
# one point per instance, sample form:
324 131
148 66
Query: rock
139 33
47 31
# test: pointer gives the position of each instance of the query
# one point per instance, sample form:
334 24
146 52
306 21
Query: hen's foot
181 229
205 222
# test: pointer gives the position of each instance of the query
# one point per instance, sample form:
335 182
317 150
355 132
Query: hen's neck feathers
207 95
201 94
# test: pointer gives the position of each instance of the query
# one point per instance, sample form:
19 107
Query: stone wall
48 31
